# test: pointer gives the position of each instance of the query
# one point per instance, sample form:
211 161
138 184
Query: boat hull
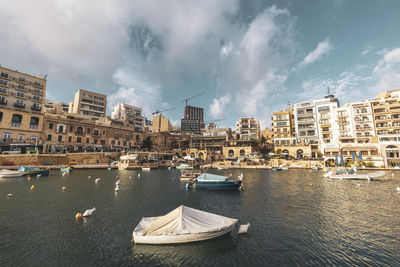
218 185
358 176
11 174
178 239
37 172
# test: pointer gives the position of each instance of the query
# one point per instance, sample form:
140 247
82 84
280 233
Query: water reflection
183 254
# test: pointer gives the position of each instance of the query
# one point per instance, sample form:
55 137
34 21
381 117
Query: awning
331 149
359 148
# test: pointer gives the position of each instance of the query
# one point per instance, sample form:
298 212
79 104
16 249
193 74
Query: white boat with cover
355 176
10 174
182 225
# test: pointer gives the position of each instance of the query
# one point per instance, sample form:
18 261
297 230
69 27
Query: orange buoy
78 215
311 184
32 187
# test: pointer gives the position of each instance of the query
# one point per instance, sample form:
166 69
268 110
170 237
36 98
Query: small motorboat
354 175
146 168
182 225
67 168
33 171
276 169
222 168
184 166
213 181
88 212
10 174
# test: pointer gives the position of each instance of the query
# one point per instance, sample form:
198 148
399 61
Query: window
78 139
20 86
36 98
1 116
16 120
104 132
50 126
87 140
112 142
33 138
3 82
49 137
71 129
3 90
88 130
21 79
70 139
60 128
7 136
3 100
20 94
20 138
34 124
3 74
59 138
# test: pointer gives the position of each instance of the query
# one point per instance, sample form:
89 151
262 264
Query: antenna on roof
329 91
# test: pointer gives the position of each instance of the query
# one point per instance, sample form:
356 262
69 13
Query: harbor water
296 216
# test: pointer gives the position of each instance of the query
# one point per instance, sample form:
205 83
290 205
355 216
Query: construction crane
189 98
159 111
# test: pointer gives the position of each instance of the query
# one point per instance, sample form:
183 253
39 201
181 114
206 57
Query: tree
147 144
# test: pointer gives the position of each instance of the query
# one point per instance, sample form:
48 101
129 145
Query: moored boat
184 166
213 181
33 171
10 174
146 168
354 175
67 168
182 225
189 175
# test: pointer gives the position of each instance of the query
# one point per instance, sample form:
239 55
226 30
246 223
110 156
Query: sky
249 57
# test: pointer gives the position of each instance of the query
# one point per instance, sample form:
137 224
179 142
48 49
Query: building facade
131 114
89 104
21 110
247 128
193 120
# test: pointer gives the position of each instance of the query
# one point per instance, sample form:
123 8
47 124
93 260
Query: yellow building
21 110
161 124
283 127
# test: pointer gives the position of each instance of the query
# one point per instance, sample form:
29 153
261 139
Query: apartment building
283 127
89 104
131 114
386 115
161 124
193 120
21 109
79 133
247 128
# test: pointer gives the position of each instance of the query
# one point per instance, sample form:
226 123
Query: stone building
88 103
21 110
78 133
133 115
247 128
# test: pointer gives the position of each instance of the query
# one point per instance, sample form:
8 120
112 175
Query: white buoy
97 180
392 174
39 175
130 177
89 177
109 169
138 175
187 186
117 182
88 212
244 228
398 188
358 185
117 188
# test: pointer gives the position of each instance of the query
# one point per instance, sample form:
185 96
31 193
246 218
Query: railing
3 102
19 105
37 108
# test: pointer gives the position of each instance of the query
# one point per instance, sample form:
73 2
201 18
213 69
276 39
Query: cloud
323 48
387 72
367 50
257 63
135 91
218 107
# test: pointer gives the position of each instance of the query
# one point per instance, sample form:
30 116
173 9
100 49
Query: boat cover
27 169
208 177
183 221
8 172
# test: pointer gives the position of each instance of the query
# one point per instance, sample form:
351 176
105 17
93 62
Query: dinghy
88 212
10 174
355 175
182 225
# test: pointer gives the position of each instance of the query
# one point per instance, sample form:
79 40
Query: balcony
33 126
15 124
380 110
81 133
3 101
36 108
19 105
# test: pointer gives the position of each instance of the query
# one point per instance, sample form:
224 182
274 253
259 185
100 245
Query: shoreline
106 166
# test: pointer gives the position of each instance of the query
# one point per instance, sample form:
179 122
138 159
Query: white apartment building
247 128
131 114
88 103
